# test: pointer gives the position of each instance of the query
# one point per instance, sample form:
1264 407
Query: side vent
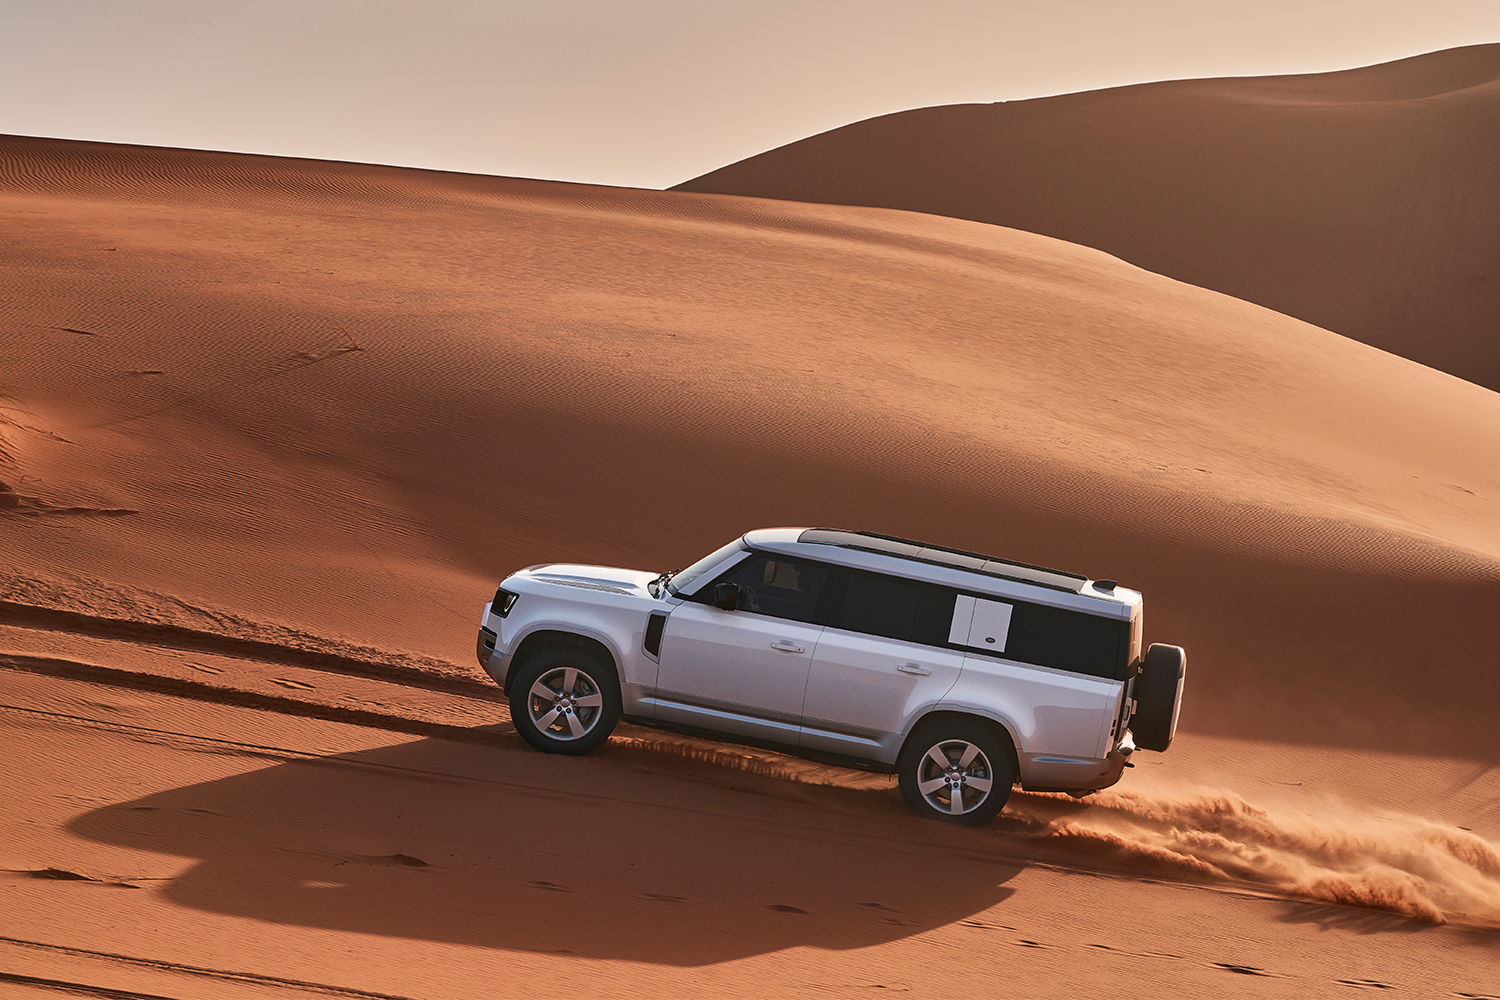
655 625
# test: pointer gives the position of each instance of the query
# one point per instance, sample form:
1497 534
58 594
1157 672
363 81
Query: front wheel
956 770
565 700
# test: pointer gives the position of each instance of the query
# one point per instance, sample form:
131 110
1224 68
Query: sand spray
1335 853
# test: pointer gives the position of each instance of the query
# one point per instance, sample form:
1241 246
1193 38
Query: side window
780 587
881 605
935 617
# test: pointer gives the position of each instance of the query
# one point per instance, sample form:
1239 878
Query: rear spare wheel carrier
1158 697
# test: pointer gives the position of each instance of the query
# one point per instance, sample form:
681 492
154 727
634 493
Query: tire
963 750
1158 697
565 699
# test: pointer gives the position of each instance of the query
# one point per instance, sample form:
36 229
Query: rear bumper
1053 773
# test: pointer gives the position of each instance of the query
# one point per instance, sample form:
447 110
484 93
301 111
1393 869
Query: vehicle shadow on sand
595 857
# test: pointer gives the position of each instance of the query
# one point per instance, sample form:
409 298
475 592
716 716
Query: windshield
684 579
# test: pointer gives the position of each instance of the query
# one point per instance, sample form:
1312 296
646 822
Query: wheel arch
544 637
938 714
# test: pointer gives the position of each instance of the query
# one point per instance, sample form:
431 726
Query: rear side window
935 617
881 605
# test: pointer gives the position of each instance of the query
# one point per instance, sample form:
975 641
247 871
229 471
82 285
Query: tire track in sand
198 641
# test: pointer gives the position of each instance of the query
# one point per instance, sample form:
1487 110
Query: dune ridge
1363 201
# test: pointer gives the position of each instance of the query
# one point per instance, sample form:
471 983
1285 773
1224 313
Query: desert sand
1363 201
273 430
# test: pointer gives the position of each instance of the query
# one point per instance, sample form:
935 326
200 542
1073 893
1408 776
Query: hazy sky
643 93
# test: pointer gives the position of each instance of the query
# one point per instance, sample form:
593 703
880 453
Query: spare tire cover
1158 697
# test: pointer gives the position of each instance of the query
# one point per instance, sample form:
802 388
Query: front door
745 671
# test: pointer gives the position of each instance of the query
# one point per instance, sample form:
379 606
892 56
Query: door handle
914 668
787 646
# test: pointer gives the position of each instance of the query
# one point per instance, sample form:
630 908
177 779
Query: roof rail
939 555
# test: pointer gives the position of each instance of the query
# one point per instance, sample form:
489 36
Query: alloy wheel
955 777
565 703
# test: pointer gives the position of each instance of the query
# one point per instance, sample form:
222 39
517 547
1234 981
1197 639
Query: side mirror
726 597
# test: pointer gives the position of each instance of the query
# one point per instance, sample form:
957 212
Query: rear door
872 672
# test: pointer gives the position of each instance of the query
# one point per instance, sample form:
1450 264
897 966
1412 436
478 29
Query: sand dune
543 369
274 428
1363 201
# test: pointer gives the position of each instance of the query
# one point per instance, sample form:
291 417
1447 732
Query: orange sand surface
273 429
1364 201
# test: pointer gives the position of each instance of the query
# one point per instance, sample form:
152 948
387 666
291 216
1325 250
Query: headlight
503 602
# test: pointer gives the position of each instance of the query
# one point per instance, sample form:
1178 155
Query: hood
626 581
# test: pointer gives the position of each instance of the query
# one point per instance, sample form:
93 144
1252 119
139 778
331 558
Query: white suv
962 673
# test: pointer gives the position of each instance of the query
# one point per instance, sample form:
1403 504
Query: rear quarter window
1067 640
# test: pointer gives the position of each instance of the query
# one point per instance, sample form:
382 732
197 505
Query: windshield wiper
660 581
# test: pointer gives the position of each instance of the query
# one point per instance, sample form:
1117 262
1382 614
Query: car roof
854 548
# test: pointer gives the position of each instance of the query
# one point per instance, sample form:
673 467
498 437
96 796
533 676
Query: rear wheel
565 699
957 770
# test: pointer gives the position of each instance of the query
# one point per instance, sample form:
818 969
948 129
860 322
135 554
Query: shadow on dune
472 845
